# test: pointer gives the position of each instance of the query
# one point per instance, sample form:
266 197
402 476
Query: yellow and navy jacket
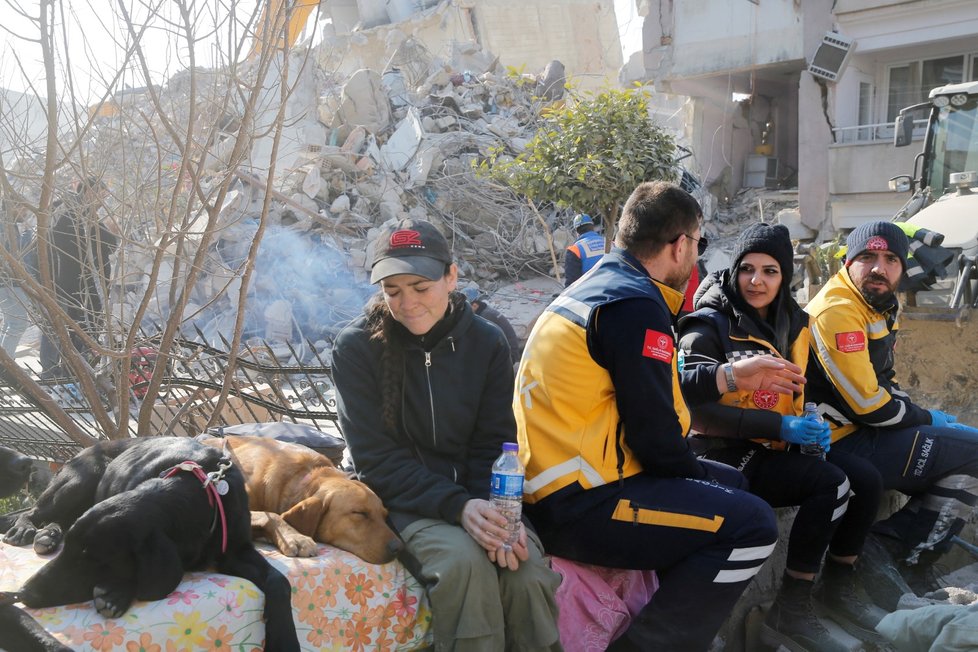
719 332
850 371
572 434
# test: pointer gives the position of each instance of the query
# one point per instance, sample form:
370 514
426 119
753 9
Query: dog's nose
395 546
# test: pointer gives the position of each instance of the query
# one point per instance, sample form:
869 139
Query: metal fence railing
873 133
267 383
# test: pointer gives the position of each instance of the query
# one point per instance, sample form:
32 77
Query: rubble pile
723 225
382 146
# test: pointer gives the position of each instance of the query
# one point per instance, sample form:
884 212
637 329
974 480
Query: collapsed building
387 153
250 193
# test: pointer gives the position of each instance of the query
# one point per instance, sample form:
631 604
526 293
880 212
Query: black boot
879 571
792 622
845 603
926 574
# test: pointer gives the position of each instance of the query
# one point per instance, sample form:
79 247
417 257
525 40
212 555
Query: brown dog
297 497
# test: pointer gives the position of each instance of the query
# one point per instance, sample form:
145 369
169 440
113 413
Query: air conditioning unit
761 172
831 56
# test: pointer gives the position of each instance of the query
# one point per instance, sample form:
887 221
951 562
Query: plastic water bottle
506 489
811 412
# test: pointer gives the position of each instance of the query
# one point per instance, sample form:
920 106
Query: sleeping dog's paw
298 545
21 533
111 603
305 547
47 539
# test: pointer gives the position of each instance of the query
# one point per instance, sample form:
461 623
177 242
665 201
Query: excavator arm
281 22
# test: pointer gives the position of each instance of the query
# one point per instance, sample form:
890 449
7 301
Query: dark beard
880 301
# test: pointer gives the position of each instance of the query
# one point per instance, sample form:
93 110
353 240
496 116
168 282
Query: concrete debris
364 102
723 224
373 147
403 144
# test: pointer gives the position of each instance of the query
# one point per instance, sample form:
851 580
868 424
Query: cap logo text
406 238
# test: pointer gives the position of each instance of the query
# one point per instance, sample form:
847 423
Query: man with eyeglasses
602 424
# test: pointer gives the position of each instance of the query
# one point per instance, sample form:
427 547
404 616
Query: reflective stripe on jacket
589 248
851 372
571 432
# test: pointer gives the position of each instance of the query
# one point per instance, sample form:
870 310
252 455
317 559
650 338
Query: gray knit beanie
877 236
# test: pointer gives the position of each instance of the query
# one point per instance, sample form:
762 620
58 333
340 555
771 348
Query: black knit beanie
877 236
771 239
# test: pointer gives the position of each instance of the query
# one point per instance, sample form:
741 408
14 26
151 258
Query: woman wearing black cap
748 310
424 397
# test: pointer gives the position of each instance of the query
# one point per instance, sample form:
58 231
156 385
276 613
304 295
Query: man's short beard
878 301
678 281
881 301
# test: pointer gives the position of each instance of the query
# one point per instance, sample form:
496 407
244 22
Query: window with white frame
865 110
910 83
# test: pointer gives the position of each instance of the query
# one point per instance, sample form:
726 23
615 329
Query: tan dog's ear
305 516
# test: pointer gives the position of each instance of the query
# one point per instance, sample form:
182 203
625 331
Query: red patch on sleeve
658 346
850 342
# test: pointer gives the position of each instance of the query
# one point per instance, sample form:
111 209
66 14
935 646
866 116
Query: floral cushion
340 602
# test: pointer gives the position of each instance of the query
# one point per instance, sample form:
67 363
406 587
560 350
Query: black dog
18 631
139 513
15 470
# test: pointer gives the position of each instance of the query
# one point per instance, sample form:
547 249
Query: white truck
938 344
943 184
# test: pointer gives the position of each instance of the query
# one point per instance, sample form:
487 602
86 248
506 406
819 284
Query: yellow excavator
281 22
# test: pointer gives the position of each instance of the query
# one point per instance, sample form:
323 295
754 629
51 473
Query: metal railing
263 387
873 133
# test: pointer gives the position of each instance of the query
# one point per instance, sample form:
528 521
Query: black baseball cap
410 247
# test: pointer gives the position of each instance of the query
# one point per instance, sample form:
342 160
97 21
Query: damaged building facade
248 191
804 94
383 119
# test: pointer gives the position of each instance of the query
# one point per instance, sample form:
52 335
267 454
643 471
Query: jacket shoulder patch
850 342
658 346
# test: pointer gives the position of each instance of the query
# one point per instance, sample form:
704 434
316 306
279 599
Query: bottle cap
511 446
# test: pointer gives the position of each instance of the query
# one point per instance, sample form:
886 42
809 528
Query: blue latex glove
797 430
941 419
825 437
961 426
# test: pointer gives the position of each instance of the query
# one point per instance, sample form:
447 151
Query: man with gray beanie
923 453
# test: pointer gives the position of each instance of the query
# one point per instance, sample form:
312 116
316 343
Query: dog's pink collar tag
213 492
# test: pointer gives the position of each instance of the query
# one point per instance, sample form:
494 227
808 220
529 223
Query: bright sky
91 41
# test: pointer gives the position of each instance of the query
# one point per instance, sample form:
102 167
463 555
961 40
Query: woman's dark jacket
724 329
456 412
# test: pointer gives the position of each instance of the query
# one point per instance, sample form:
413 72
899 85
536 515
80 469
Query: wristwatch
728 374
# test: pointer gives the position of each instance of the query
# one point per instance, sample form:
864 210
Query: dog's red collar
214 486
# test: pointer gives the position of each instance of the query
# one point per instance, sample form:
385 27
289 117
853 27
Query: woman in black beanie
748 310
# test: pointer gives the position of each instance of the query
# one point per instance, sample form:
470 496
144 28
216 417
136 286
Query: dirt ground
937 364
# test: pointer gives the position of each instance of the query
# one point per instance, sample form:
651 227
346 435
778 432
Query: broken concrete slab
403 143
364 102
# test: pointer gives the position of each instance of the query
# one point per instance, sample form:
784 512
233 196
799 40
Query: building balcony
863 158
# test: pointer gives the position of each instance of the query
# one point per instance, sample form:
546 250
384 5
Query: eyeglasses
701 243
